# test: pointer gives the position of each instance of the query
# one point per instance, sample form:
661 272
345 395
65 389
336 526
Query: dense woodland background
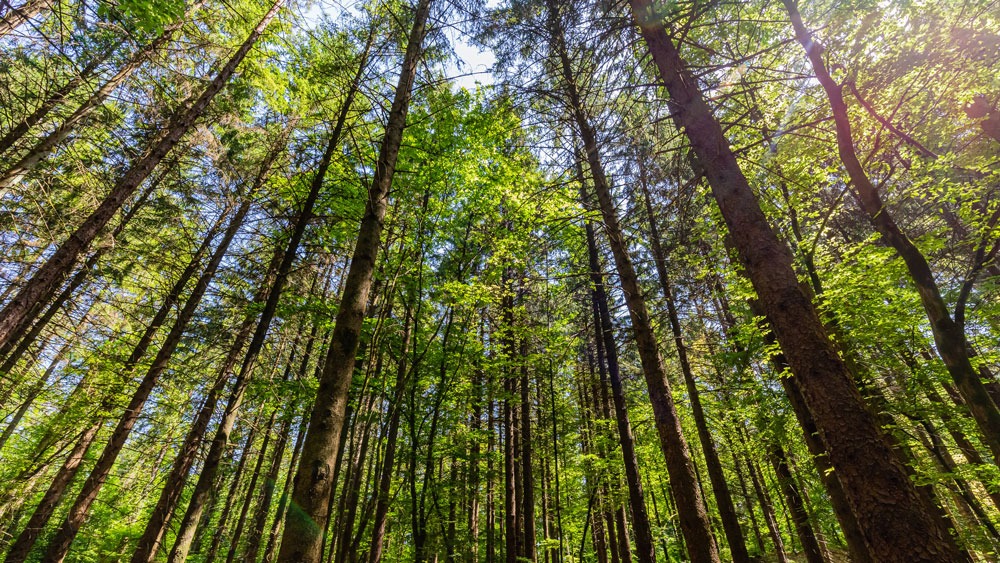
686 281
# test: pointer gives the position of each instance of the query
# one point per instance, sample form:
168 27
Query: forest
500 281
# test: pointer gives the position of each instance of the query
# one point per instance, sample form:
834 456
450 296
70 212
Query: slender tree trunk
272 540
949 335
206 479
219 530
595 517
57 489
512 548
150 541
18 312
491 504
527 477
768 509
33 394
691 507
15 17
45 511
888 507
267 494
803 527
723 497
234 538
51 102
475 420
24 342
304 526
392 434
640 519
60 544
51 140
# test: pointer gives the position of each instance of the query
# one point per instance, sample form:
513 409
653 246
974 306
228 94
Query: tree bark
306 522
888 507
949 335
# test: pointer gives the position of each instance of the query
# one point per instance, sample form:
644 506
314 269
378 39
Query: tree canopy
670 281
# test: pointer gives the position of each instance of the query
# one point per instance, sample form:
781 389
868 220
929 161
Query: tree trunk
60 544
691 507
219 530
391 436
206 479
173 488
51 140
602 321
48 104
803 527
57 489
723 497
888 507
234 538
272 540
24 342
949 335
304 526
527 499
20 309
15 17
33 393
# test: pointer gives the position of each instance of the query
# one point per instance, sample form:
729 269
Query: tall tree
307 517
896 530
20 310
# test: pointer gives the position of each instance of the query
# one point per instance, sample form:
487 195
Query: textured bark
890 513
19 310
310 498
848 524
723 497
949 335
60 544
691 507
